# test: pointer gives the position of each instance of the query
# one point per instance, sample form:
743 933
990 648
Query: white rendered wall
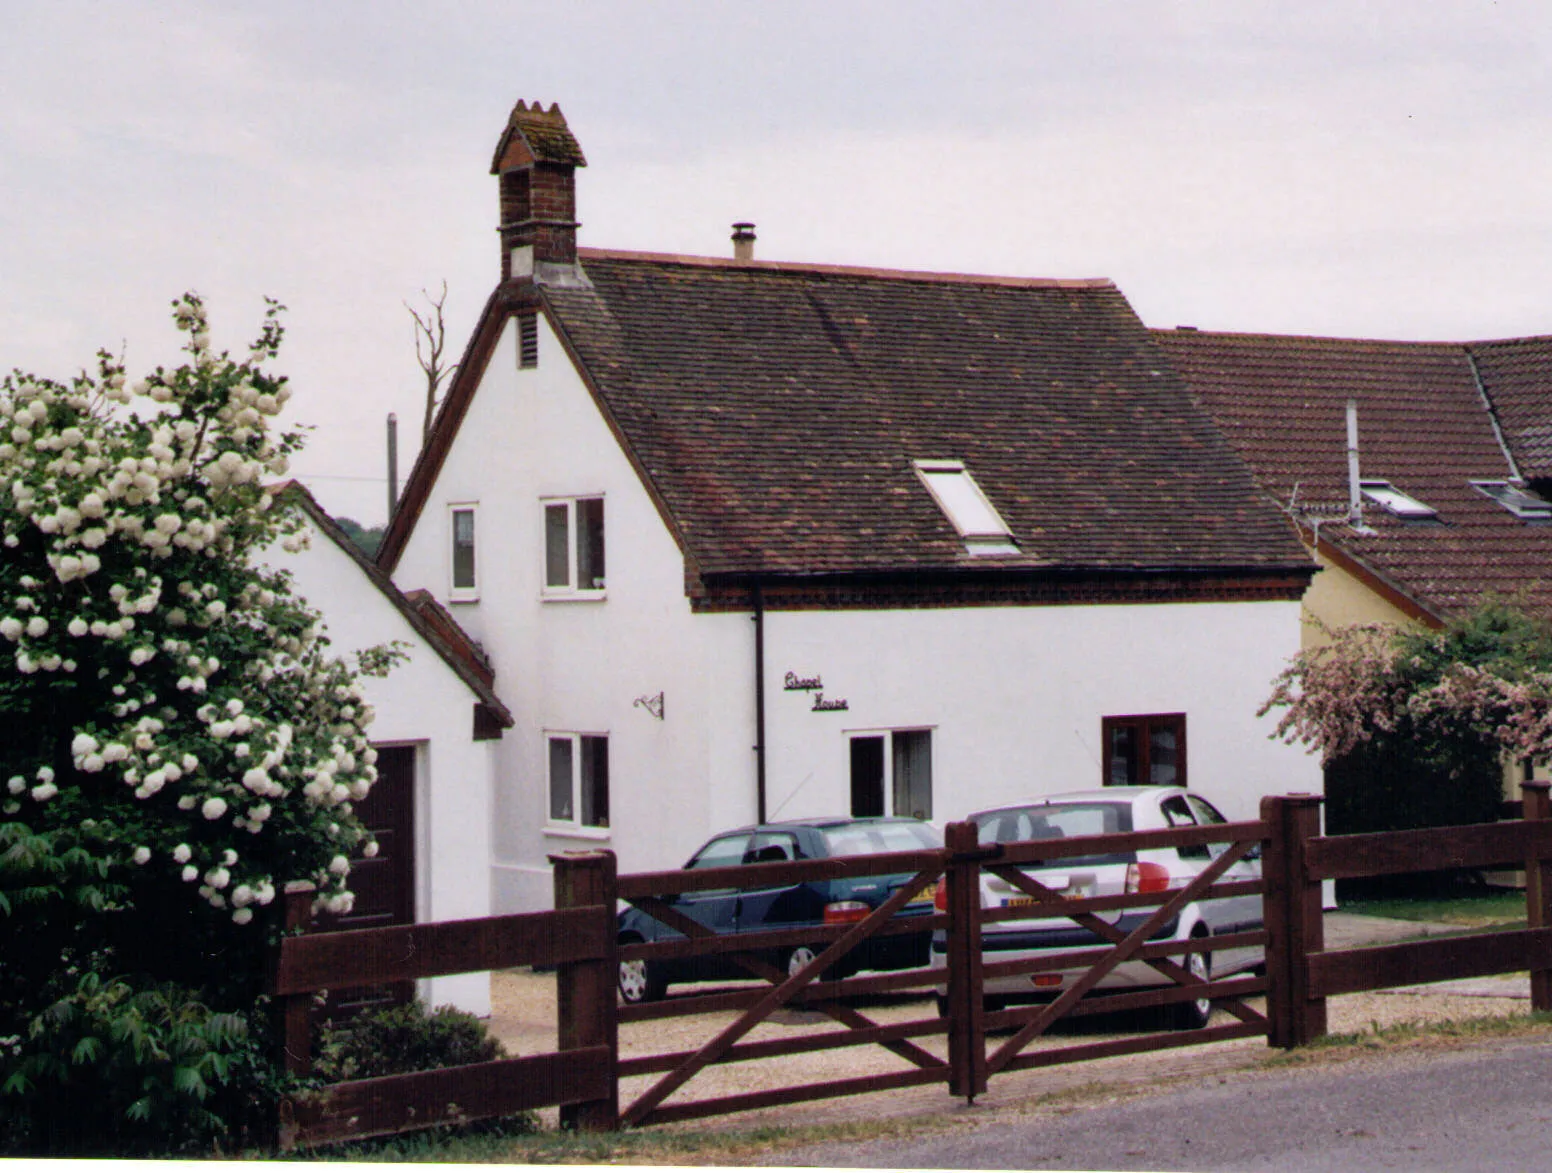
579 666
1014 697
423 703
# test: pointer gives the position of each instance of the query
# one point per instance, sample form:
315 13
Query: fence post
966 1004
584 990
296 1010
1538 888
1294 920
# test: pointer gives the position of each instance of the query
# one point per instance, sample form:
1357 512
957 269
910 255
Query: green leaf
87 1050
189 1081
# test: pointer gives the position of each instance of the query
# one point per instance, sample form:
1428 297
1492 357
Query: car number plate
1071 892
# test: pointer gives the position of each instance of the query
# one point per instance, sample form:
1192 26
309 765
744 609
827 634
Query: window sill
463 597
565 831
573 596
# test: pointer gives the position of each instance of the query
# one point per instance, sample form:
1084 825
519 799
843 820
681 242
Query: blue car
786 906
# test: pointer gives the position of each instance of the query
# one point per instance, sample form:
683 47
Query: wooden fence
1304 973
579 939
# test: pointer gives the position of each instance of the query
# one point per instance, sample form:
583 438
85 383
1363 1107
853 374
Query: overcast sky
1350 168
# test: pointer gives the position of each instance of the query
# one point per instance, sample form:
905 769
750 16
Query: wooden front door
384 885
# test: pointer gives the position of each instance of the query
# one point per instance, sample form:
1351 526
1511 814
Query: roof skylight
966 507
1517 499
1393 500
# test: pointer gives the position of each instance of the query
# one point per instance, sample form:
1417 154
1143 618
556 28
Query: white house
756 540
437 723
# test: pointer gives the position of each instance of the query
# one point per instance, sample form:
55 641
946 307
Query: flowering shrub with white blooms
176 741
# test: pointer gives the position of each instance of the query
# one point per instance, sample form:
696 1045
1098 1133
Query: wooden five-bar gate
583 1076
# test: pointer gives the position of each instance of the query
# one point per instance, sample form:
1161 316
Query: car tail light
940 897
1045 981
845 912
1146 877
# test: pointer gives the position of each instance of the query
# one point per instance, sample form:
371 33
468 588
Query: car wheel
641 981
800 959
1194 1015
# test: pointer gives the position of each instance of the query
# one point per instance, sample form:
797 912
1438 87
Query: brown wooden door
384 885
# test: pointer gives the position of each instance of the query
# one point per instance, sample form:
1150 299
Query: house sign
822 705
792 682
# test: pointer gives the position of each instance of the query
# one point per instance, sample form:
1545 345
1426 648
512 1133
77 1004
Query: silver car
1108 811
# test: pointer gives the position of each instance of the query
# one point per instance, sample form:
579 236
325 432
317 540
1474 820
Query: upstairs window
574 547
1394 501
465 585
1517 499
966 507
1145 750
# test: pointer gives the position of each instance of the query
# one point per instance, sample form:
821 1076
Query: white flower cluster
236 737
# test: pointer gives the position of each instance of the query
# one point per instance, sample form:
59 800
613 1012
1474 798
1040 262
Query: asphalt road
1484 1109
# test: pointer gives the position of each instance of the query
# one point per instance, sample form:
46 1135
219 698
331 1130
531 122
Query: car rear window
1058 821
877 838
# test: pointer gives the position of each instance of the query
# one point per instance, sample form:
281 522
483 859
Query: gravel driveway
524 1019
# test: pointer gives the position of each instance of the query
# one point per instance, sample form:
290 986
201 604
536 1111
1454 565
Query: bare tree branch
430 338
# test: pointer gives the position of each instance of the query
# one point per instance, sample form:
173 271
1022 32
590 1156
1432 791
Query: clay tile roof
1423 426
775 411
1517 376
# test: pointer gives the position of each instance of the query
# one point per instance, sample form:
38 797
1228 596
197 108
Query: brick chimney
536 160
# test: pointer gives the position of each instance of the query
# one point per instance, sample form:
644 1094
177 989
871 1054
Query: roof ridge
690 260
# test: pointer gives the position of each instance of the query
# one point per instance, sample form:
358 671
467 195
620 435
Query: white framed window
579 779
965 506
891 773
1517 499
462 568
1394 501
573 547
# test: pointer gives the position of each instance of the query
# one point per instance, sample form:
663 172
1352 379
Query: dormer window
966 507
1517 499
1394 501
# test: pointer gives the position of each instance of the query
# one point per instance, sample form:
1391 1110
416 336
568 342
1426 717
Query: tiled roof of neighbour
775 411
1517 375
1423 426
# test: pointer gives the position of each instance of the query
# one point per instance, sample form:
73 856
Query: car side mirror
1253 853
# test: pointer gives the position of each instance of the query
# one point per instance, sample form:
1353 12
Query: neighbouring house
1438 508
1444 499
438 720
750 539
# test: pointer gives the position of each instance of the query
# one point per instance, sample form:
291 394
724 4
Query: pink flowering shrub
1486 677
1413 725
176 740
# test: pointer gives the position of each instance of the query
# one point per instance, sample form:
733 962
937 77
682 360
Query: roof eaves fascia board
1377 581
558 325
503 301
298 493
1023 572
